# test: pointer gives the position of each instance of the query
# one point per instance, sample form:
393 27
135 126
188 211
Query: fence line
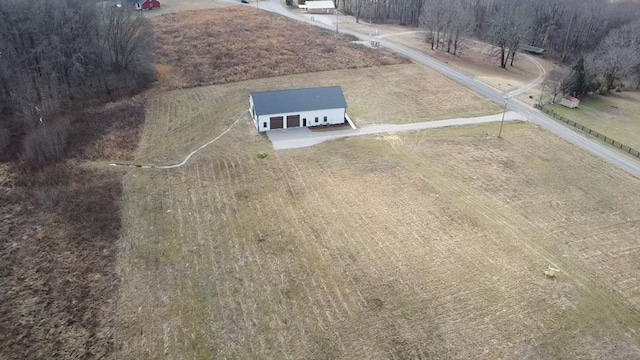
590 131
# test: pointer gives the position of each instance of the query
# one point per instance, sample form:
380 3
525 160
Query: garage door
276 122
293 121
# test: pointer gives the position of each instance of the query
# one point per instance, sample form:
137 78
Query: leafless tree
617 56
447 23
510 27
554 82
54 53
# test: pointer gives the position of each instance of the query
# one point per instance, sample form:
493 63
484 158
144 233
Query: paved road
593 146
304 137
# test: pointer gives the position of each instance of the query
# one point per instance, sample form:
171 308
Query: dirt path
191 154
533 84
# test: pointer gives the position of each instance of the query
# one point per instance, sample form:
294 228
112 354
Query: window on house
316 119
325 119
264 124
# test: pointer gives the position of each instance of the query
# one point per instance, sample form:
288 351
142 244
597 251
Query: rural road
304 137
593 146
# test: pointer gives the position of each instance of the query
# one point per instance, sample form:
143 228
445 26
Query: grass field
616 115
59 231
181 120
426 245
240 43
175 6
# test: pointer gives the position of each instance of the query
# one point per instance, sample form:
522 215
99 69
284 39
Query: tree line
602 35
56 54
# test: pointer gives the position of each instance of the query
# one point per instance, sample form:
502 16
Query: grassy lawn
181 120
424 245
616 115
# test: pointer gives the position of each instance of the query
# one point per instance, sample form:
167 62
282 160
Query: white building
320 7
570 102
309 107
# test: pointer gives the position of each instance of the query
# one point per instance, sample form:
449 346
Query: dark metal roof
532 49
297 100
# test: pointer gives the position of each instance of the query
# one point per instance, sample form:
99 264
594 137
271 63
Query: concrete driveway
303 137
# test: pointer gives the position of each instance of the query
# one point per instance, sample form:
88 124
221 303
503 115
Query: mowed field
181 120
425 245
616 115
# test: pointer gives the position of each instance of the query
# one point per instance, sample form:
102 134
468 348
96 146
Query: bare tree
54 53
555 82
447 23
510 27
127 38
617 56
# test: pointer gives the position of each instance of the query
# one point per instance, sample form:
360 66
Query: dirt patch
240 43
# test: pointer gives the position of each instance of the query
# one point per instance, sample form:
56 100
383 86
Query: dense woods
604 33
57 54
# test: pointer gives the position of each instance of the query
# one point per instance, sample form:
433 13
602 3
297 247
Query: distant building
320 7
309 107
145 4
532 49
570 102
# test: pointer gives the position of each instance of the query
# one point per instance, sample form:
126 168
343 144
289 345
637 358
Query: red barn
146 4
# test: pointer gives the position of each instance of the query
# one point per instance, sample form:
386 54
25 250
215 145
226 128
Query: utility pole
540 101
506 102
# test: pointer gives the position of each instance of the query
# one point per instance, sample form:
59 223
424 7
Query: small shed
320 7
146 4
570 102
283 109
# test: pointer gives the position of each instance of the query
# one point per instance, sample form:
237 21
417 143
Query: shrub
47 142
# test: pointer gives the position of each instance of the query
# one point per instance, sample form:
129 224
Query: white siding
252 112
568 103
334 116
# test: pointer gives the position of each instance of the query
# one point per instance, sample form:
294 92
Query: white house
570 102
308 107
320 7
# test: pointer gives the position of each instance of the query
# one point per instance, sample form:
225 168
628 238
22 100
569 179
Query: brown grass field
240 43
181 120
175 6
425 245
59 231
